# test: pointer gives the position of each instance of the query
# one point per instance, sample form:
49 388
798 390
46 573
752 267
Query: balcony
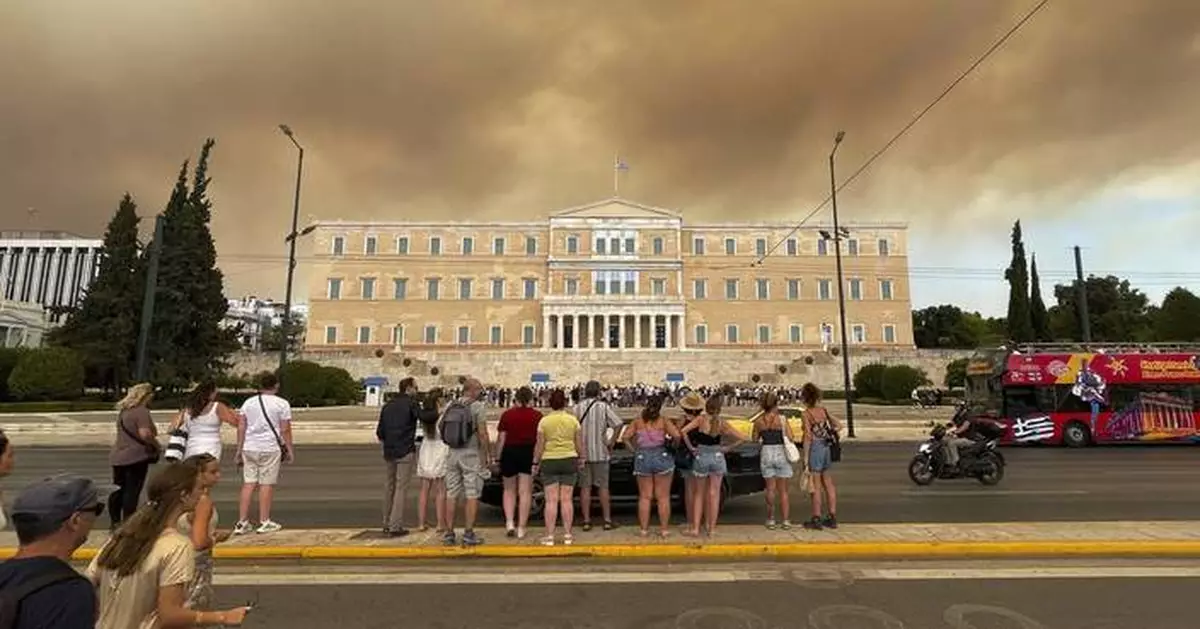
620 299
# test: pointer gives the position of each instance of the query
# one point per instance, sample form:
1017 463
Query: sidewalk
741 542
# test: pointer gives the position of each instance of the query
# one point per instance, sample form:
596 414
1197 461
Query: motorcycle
980 460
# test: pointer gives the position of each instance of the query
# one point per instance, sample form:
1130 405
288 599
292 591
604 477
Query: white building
47 268
22 324
253 316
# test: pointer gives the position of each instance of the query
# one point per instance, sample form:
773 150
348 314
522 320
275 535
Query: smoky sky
503 109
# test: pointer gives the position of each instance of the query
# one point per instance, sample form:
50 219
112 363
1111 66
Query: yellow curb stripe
833 550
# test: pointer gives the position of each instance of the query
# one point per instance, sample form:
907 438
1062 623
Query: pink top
651 438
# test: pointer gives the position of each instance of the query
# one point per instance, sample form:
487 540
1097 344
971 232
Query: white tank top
204 433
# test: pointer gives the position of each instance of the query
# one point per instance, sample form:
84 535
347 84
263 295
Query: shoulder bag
789 446
835 440
177 440
283 449
152 449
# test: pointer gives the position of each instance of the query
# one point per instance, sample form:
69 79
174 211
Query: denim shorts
653 462
710 461
774 462
819 459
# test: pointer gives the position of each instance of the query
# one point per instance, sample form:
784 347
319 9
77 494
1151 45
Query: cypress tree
1038 317
1020 325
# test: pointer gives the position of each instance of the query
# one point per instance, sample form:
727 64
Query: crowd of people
627 396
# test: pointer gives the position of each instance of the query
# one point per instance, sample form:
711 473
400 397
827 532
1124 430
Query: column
558 341
545 331
682 331
5 267
52 277
621 344
19 279
581 339
637 331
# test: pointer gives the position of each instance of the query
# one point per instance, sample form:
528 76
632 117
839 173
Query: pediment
616 208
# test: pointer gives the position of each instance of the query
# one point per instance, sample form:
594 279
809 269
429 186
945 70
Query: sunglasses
96 509
692 411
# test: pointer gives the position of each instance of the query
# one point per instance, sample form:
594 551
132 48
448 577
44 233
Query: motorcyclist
957 435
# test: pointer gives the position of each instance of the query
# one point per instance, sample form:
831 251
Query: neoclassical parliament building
616 280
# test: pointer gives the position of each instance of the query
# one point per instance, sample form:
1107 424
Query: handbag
283 449
177 441
789 447
835 448
806 482
152 449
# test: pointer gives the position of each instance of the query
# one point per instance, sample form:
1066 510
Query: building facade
253 317
609 276
47 268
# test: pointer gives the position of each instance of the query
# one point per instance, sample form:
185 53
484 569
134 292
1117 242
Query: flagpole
617 175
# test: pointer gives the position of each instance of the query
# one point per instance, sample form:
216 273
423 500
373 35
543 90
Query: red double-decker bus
1076 396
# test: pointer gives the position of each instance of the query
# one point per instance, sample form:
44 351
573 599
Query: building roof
29 234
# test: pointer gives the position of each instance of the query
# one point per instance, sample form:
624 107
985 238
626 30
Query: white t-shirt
259 437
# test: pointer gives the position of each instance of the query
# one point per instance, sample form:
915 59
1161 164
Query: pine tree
1020 325
1038 317
103 329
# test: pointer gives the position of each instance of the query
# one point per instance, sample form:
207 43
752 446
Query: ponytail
132 543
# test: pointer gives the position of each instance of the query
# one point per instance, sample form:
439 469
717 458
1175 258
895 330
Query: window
364 334
731 289
572 244
698 246
889 333
339 245
530 246
822 247
464 335
884 249
700 289
601 246
468 246
824 290
432 288
658 245
369 246
464 289
630 283
430 334
572 286
614 284
858 333
498 289
856 292
601 285
527 335
796 334
498 246
496 336
397 335
334 288
793 247
730 246
614 246
367 287
852 247
760 247
701 334
885 289
731 333
435 246
762 288
630 246
764 334
331 335
793 290
400 288
530 289
658 286
402 245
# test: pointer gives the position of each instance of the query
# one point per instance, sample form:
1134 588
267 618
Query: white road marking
1081 572
984 491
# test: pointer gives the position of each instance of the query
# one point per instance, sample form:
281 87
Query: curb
834 550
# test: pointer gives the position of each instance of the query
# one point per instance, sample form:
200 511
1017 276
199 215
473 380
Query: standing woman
200 525
143 572
653 464
771 429
6 467
693 406
704 433
135 448
202 419
557 458
431 464
820 431
518 434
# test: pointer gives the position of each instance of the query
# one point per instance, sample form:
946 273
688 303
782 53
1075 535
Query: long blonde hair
132 543
138 395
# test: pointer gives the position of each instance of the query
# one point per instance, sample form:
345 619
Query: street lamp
838 234
291 240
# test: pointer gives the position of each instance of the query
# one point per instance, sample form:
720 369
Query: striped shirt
597 417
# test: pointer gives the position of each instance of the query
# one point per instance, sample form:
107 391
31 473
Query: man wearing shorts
264 435
601 428
466 467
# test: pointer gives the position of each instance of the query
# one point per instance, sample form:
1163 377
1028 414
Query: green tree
273 337
103 329
1020 325
956 373
1037 306
49 373
9 357
1117 312
868 381
1178 319
949 327
899 381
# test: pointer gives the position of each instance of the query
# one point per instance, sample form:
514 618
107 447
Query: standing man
601 428
463 427
41 590
397 432
264 443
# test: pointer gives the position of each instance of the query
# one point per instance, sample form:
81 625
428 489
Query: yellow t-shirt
132 601
558 429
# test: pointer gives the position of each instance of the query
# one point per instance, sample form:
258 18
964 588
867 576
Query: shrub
309 384
340 388
9 357
900 380
868 381
956 373
50 373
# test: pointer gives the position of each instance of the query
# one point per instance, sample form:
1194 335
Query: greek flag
619 164
1028 429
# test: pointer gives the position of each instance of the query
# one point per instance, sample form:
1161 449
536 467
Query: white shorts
261 468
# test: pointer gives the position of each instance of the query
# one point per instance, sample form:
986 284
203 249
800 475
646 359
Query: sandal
568 539
608 526
587 526
547 540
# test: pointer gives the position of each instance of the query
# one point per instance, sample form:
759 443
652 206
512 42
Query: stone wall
515 367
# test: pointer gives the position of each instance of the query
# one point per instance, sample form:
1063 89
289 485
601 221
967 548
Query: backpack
11 597
458 426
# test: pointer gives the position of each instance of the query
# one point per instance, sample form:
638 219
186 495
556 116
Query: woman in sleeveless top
771 429
693 406
431 464
704 433
653 464
200 525
820 431
202 419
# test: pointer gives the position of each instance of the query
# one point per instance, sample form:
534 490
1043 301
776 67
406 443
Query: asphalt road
341 486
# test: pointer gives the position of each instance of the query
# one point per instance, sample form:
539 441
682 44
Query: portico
614 327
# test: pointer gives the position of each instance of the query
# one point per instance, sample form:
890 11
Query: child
431 465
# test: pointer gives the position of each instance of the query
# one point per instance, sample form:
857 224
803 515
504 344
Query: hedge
888 382
48 373
309 384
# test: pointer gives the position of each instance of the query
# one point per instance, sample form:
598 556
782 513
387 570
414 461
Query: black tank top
701 438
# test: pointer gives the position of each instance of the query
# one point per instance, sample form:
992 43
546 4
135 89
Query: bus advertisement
1049 394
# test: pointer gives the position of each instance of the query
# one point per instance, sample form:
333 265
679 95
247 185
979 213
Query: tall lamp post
837 248
291 239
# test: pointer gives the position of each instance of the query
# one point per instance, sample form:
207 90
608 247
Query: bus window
1065 400
1022 401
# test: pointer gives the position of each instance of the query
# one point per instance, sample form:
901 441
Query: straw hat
692 402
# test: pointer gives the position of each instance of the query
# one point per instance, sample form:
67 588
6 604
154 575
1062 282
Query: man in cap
602 428
38 587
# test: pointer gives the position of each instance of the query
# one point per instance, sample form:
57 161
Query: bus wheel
1076 435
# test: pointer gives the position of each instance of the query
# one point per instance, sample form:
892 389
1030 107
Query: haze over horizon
1078 126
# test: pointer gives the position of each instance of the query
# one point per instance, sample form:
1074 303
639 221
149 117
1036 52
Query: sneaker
243 528
268 526
814 524
770 525
449 539
510 533
547 540
787 525
471 539
830 522
397 532
568 539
